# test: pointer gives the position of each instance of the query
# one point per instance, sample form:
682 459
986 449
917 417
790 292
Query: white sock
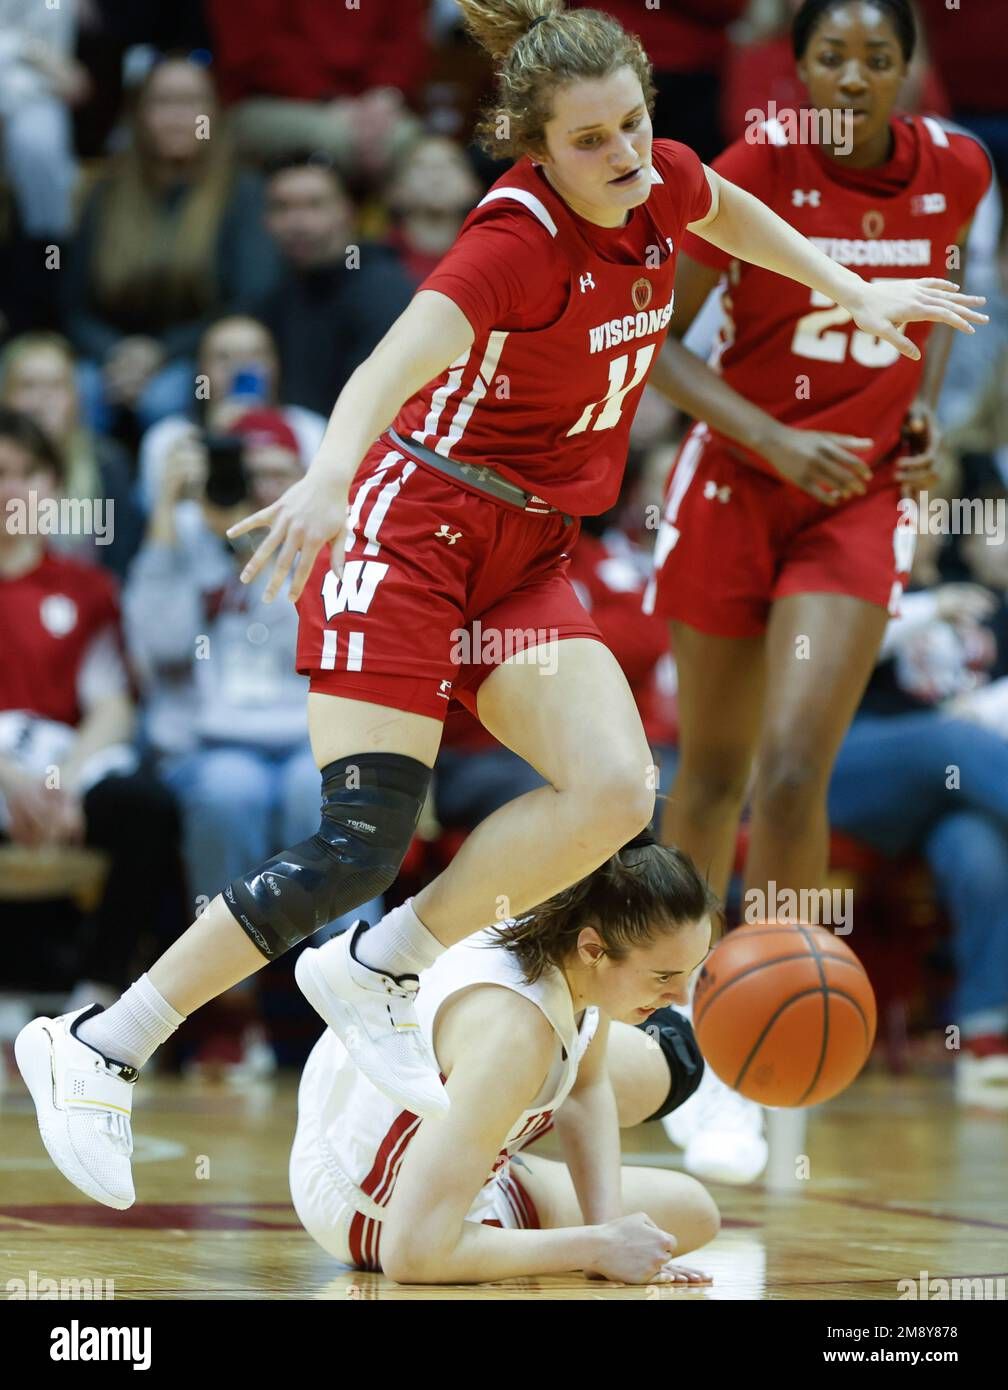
399 944
133 1027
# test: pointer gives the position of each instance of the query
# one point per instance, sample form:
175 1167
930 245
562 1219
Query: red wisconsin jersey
793 351
551 408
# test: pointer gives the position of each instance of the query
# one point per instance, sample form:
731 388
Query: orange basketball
784 1014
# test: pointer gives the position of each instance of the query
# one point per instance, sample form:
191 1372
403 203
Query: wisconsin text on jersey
641 325
915 251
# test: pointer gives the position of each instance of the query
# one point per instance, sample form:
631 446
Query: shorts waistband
480 477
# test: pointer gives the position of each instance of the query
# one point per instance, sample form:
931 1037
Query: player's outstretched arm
426 338
742 226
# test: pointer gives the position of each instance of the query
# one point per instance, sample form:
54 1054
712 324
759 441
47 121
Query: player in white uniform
523 1021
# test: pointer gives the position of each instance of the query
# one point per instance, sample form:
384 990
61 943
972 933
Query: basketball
785 1014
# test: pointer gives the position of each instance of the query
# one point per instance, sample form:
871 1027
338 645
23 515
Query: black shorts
674 1035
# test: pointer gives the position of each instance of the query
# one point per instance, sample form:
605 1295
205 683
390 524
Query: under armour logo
587 283
711 490
445 535
799 198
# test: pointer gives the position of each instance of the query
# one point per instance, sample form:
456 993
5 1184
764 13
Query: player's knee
673 1033
370 807
698 1219
619 799
788 785
713 786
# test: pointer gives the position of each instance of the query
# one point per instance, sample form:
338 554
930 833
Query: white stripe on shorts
668 532
380 508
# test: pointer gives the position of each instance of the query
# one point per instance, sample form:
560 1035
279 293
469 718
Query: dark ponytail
642 891
898 12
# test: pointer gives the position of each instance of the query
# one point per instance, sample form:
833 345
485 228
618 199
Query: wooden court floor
900 1181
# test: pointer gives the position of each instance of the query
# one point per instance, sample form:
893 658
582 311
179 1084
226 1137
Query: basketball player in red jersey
779 561
494 411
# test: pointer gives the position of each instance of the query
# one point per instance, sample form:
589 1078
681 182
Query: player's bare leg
578 726
821 649
720 696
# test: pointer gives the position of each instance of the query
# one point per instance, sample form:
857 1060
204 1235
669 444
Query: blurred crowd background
209 214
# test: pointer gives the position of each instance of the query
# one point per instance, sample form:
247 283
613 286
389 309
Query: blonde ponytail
533 60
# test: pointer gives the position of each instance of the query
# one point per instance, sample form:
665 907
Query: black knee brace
370 807
674 1035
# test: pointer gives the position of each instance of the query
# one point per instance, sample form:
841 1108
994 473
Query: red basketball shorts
441 583
733 539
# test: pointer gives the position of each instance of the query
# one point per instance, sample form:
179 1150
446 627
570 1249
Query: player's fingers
950 290
292 544
251 523
310 548
265 549
838 474
937 311
850 462
905 346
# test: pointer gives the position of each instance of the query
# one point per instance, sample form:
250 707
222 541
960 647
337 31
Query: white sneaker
83 1101
374 1017
982 1080
721 1133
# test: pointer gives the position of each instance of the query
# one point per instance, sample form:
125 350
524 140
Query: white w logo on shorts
353 590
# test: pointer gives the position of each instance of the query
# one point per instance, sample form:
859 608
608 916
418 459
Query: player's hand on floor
821 464
633 1250
310 513
681 1274
882 307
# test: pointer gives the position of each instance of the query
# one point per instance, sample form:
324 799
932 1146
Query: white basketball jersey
363 1136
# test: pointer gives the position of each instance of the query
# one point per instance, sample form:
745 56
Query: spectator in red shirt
304 75
69 772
